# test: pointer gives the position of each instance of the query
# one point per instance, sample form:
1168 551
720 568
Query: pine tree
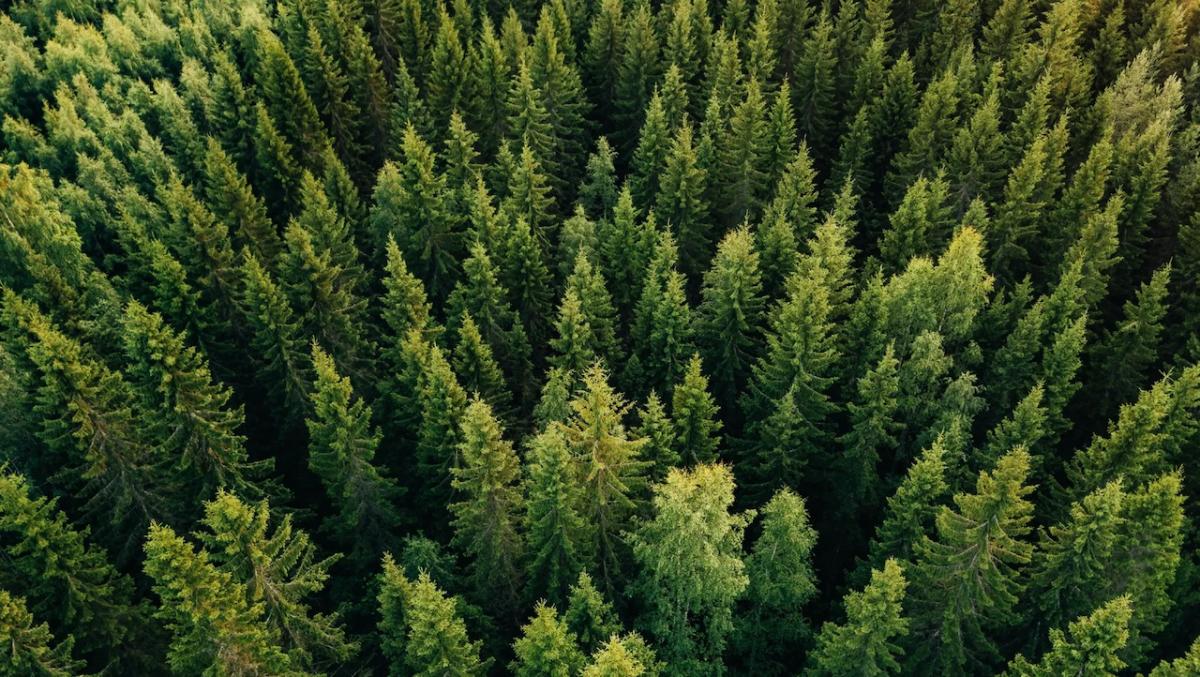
188 412
1092 649
404 304
968 577
525 274
441 403
214 627
557 535
609 468
688 599
919 225
636 72
663 331
875 619
528 195
587 282
694 414
31 648
729 320
1025 427
279 569
487 519
815 86
545 648
782 581
795 196
599 191
342 445
741 152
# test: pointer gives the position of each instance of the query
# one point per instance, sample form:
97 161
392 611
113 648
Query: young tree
689 599
477 370
875 619
656 427
680 201
487 518
275 340
873 428
546 648
574 347
342 445
694 413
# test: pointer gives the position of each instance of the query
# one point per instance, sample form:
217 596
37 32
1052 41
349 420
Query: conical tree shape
545 646
213 625
342 445
31 649
487 519
1092 648
477 370
697 426
421 626
279 569
275 339
589 616
729 320
559 543
875 619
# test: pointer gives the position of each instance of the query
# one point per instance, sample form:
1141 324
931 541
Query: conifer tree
487 519
694 414
873 428
782 581
689 600
875 619
815 85
86 414
599 191
441 403
1094 643
545 646
650 157
663 331
795 196
557 535
231 199
968 577
911 510
636 72
587 282
477 370
609 468
655 426
188 412
279 569
525 274
342 445
680 201
404 303
729 320
65 579
31 649
422 627
741 153
1124 354
214 627
275 339
919 224
589 616
575 344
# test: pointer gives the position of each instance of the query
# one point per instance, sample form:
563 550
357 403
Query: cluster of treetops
599 337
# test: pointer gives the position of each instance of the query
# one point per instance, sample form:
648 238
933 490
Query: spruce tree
280 569
558 539
866 643
782 581
694 413
421 627
911 510
32 649
545 647
187 411
275 340
342 445
873 428
575 344
609 468
729 320
214 627
589 616
968 577
1094 643
656 427
477 370
680 201
487 518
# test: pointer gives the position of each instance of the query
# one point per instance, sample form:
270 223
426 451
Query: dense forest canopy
600 338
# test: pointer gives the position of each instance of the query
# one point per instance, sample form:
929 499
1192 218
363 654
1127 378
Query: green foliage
546 648
689 601
866 643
